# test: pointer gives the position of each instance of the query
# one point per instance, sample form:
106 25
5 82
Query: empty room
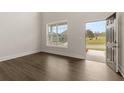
61 46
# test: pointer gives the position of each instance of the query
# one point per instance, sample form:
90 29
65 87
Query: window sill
57 46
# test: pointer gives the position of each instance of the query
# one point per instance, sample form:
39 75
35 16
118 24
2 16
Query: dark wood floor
44 66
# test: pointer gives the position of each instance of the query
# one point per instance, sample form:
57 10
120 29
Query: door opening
96 41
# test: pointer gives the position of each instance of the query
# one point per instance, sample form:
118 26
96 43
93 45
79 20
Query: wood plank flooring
49 67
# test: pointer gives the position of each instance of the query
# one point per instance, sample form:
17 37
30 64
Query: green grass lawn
100 40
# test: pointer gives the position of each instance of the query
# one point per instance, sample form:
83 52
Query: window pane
52 35
62 35
57 34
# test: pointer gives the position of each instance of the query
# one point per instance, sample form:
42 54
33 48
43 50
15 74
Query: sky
98 26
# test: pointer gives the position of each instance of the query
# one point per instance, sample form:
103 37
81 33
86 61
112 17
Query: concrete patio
95 55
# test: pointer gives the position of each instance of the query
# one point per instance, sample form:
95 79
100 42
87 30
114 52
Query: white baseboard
36 51
64 54
121 70
18 55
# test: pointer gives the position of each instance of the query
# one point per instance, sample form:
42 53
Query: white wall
76 31
20 34
121 23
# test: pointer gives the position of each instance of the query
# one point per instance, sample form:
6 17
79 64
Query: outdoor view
57 35
96 40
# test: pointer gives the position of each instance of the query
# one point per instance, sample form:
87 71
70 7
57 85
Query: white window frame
47 28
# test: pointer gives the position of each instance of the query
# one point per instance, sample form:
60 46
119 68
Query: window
57 34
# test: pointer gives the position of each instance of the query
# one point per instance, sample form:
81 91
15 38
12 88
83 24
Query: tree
96 35
90 34
63 37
